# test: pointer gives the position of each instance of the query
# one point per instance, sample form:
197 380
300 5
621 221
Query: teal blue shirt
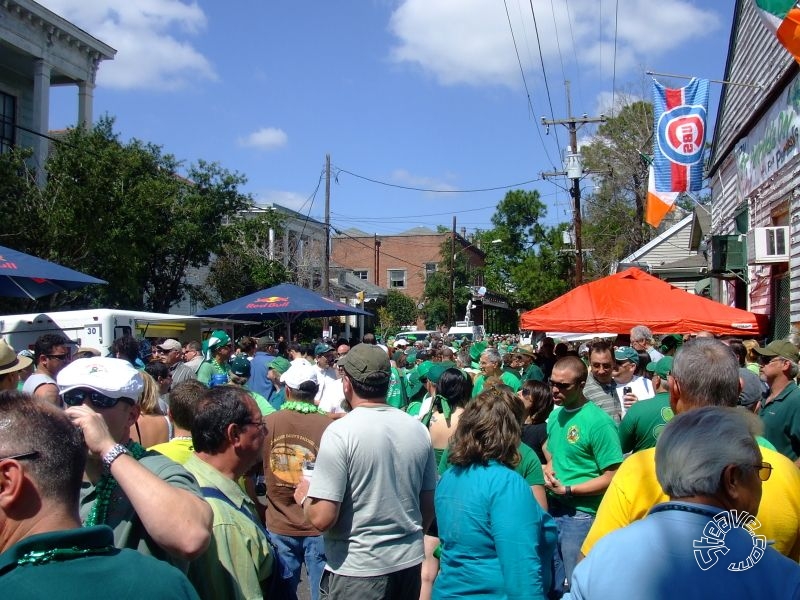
496 540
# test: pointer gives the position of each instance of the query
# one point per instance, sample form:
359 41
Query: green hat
239 365
413 384
366 363
217 339
780 348
662 367
280 364
411 358
477 349
320 349
626 353
424 368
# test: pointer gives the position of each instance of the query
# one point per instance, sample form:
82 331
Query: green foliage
401 309
121 212
243 265
437 293
613 215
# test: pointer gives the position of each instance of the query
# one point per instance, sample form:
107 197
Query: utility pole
575 172
452 286
326 269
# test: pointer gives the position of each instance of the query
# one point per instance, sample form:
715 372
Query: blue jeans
573 526
295 550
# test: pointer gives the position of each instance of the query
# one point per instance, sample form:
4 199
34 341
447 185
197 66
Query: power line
418 189
308 215
525 83
558 42
544 73
614 72
574 53
358 241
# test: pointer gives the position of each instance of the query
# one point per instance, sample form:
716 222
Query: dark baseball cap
780 348
366 363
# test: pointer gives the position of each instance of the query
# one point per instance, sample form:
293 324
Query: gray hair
492 355
707 372
689 456
640 332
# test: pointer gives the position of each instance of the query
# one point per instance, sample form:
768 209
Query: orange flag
658 203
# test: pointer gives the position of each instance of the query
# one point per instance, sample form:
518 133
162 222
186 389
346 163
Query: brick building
400 261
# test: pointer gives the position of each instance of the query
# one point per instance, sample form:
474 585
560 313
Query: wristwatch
109 457
568 491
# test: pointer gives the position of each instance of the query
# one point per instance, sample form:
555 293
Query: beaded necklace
302 407
40 557
105 487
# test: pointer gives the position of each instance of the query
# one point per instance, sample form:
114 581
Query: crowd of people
420 468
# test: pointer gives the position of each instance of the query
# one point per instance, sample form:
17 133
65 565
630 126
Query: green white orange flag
658 203
783 18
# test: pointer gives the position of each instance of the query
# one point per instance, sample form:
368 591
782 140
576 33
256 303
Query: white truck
98 328
466 330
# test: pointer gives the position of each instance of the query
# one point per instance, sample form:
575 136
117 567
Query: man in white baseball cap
129 488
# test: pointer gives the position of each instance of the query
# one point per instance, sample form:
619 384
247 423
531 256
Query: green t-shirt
210 368
781 419
530 467
508 378
533 372
583 443
644 422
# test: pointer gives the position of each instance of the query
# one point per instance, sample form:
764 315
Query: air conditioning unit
768 245
728 253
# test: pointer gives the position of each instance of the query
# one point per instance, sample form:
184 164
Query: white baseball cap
114 377
298 374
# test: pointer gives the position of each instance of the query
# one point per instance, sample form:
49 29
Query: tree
121 212
245 263
437 293
613 214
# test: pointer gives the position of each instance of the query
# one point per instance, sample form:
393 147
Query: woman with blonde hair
489 523
153 426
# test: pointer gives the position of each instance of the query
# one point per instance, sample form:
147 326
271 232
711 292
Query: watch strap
109 457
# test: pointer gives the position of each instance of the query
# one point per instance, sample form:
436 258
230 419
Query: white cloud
266 138
293 200
461 42
403 177
150 39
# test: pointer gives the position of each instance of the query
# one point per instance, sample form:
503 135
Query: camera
627 389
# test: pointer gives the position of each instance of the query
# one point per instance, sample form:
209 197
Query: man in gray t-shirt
372 489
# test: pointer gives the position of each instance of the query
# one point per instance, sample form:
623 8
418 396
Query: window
8 118
363 274
430 269
397 278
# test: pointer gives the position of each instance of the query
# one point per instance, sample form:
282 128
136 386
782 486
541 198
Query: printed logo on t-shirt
573 434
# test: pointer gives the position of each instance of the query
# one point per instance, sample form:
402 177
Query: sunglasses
764 470
23 456
76 398
58 356
562 385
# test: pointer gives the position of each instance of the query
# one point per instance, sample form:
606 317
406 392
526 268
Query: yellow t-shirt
634 490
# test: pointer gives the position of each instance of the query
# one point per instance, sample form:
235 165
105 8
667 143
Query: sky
427 94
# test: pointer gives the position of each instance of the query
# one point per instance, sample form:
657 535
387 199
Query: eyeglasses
98 400
764 470
260 424
161 351
765 360
58 356
24 456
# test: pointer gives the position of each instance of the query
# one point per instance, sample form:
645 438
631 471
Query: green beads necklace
105 487
302 407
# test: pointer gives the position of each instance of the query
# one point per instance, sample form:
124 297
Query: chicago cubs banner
680 135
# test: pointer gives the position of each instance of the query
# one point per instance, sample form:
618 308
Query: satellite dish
481 291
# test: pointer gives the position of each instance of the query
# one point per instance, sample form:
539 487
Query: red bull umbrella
26 276
286 302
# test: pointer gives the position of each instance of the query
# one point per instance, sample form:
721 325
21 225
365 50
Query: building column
41 116
85 104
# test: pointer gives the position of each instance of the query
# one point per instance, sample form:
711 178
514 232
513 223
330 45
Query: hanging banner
658 203
782 17
771 143
680 135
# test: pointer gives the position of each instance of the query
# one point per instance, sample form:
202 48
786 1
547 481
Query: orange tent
618 302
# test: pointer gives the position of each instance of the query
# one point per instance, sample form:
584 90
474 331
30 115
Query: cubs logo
682 134
573 434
